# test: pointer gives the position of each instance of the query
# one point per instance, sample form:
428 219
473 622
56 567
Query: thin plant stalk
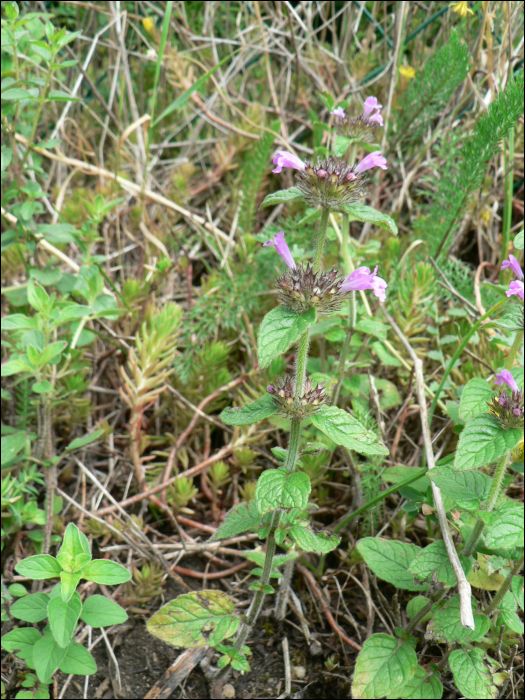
320 239
492 497
505 586
507 210
345 232
516 345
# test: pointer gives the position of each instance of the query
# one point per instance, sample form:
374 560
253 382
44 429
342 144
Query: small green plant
55 648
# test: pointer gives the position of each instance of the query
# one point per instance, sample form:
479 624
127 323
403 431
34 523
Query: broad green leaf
62 96
69 582
468 489
17 590
341 144
104 571
507 530
250 412
78 661
279 329
17 94
310 541
240 518
279 488
471 676
47 655
445 626
42 387
371 326
52 351
422 686
31 608
346 430
16 366
518 240
281 197
516 587
21 643
6 157
195 619
11 446
39 567
74 542
37 296
508 615
361 212
63 618
474 399
482 442
83 441
415 605
434 557
18 322
99 611
390 559
384 665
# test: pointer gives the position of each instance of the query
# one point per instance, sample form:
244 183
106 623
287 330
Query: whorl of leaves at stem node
507 407
301 288
331 183
283 393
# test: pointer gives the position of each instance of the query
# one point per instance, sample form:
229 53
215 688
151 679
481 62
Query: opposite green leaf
474 399
39 567
47 655
78 661
470 487
281 197
240 518
310 541
346 430
83 441
99 611
11 446
361 212
390 559
30 608
250 412
482 442
471 676
195 620
280 329
446 624
63 618
383 667
423 686
21 642
108 572
278 488
507 530
434 558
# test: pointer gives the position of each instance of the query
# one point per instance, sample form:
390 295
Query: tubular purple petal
516 287
282 249
370 105
376 118
362 279
514 265
373 160
505 377
284 159
339 112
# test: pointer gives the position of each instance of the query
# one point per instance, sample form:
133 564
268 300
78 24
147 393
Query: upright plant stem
504 587
514 350
345 232
258 599
509 187
492 497
320 239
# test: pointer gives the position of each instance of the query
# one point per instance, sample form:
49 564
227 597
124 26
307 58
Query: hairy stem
320 239
258 599
293 444
495 489
345 232
504 588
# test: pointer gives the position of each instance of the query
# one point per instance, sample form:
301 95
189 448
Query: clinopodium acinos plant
279 511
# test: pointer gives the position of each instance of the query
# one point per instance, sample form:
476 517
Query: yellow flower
407 72
148 24
461 8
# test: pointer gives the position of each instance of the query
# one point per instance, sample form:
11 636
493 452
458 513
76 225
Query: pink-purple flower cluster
371 111
505 377
284 159
360 279
515 287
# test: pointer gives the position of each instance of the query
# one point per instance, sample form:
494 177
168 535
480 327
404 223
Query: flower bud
507 407
301 289
331 184
310 402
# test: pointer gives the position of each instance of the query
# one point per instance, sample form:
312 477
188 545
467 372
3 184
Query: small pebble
299 672
315 648
228 691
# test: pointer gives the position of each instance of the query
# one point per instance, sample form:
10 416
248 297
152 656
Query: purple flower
376 118
514 265
283 159
282 248
370 105
373 160
339 112
516 287
362 278
505 377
